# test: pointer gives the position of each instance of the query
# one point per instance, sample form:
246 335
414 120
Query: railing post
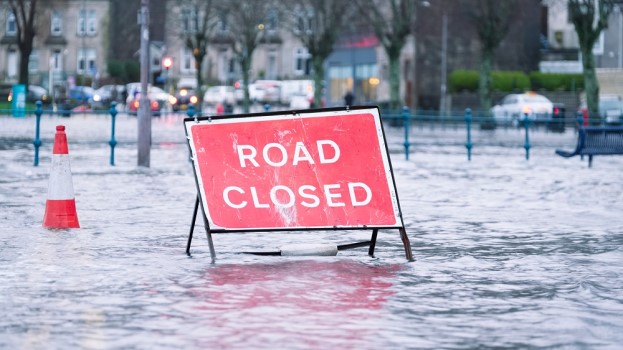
526 122
191 111
468 125
112 142
37 141
405 119
267 107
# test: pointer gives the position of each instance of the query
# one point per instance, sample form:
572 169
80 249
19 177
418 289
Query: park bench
596 140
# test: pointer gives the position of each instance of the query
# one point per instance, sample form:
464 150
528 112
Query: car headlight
172 100
97 98
193 99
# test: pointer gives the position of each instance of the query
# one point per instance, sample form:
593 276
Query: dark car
183 98
80 95
35 93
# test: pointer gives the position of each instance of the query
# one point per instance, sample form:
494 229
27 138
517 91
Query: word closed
320 170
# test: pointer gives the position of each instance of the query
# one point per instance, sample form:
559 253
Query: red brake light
556 110
237 84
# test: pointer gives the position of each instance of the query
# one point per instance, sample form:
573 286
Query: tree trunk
244 64
25 49
318 66
394 80
484 88
198 66
591 86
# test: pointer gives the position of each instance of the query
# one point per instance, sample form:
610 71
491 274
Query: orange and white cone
60 206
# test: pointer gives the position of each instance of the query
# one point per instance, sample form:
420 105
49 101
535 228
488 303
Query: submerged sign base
326 169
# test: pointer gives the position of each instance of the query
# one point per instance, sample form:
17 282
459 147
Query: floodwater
509 253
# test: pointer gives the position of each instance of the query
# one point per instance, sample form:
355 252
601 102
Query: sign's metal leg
406 243
373 242
209 235
192 226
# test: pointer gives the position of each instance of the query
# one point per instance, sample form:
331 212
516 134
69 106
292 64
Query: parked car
257 93
160 100
35 93
300 101
104 95
513 108
135 103
79 95
183 98
610 110
218 94
271 91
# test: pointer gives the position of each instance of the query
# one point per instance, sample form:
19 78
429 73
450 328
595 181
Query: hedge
467 80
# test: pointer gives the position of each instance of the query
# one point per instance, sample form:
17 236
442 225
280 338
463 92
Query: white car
515 107
218 94
256 93
300 101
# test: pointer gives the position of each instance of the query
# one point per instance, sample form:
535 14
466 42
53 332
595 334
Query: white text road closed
315 170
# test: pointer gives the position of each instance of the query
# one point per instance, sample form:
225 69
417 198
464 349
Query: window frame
11 21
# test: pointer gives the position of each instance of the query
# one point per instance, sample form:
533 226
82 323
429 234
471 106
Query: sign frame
202 125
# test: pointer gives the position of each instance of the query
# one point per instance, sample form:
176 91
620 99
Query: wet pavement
509 252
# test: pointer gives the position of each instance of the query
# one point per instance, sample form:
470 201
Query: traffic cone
60 206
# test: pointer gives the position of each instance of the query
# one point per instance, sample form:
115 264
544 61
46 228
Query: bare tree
590 17
392 22
492 19
245 22
198 23
25 12
317 23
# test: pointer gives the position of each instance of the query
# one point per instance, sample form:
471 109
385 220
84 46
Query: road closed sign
318 169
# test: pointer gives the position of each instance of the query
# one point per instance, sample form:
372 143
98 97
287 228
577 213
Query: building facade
70 46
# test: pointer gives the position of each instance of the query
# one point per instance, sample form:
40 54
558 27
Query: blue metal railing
403 119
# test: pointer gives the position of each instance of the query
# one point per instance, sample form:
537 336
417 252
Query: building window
187 65
57 24
223 66
11 24
86 61
87 22
271 21
91 22
189 20
302 62
271 69
12 63
223 24
33 61
304 22
57 60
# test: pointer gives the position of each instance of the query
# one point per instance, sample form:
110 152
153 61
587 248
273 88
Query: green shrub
116 70
509 81
463 80
132 71
556 81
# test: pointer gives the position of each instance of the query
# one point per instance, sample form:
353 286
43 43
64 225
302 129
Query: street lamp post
144 111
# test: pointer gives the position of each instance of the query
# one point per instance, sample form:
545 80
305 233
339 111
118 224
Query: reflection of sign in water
18 104
324 305
314 170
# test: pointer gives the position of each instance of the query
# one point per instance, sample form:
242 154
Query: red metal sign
320 169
